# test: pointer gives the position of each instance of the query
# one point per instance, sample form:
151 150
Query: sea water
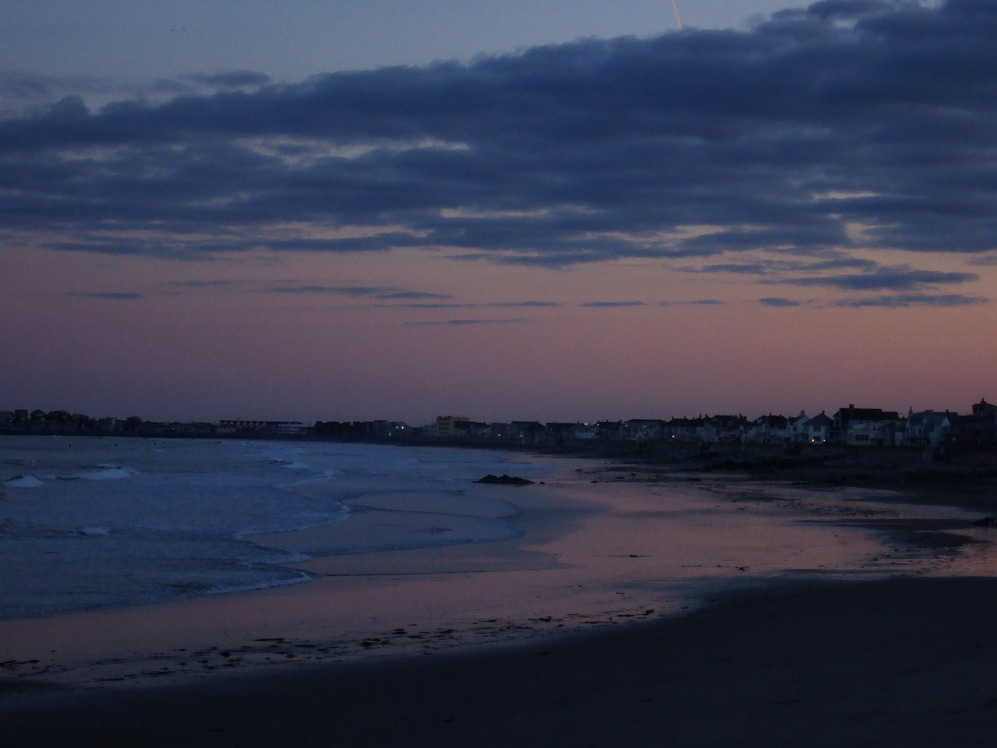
100 522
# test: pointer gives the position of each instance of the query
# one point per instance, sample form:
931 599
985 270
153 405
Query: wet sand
516 642
907 662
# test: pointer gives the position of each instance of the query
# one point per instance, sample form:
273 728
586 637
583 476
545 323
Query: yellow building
447 426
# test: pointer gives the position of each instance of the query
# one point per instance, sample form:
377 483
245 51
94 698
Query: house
642 429
978 429
985 411
683 429
527 432
817 430
806 430
866 427
769 429
450 427
928 429
498 430
609 431
724 429
292 428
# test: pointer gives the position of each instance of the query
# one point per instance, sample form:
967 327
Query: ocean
92 523
100 523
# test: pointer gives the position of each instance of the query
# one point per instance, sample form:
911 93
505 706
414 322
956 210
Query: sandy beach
906 662
561 636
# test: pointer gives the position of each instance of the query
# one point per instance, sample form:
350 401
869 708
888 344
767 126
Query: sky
517 211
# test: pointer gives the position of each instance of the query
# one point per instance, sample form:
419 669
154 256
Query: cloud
610 304
914 299
373 292
232 79
26 93
821 262
896 278
410 295
111 295
466 322
408 299
490 305
878 114
777 302
202 283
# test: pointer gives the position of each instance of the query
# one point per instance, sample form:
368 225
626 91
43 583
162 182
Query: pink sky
229 349
793 213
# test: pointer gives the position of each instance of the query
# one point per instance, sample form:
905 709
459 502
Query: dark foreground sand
907 662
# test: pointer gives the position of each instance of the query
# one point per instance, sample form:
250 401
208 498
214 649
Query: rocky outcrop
504 480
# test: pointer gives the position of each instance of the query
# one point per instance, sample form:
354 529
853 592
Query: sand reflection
571 554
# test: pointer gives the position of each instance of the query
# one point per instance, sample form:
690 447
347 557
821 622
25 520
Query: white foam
24 481
106 472
131 523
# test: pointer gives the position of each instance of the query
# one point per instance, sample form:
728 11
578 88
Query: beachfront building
527 432
724 429
927 429
977 430
643 429
818 430
609 431
866 427
567 432
242 427
683 429
806 430
452 427
769 429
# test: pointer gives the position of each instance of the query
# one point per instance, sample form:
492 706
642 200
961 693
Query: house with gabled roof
681 429
978 429
643 429
866 427
724 429
768 429
816 430
928 428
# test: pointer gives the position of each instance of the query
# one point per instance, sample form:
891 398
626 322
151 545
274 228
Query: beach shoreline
901 662
263 653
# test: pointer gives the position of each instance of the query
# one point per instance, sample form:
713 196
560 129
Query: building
866 427
452 427
928 429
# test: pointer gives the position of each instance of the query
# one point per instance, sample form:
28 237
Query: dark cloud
372 292
466 322
777 302
697 302
610 304
111 295
880 114
774 266
984 260
494 305
27 94
739 268
232 79
900 278
914 299
202 283
410 295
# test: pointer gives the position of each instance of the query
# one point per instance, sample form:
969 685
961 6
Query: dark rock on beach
504 480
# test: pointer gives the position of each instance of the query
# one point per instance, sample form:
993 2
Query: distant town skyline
27 413
409 209
938 432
